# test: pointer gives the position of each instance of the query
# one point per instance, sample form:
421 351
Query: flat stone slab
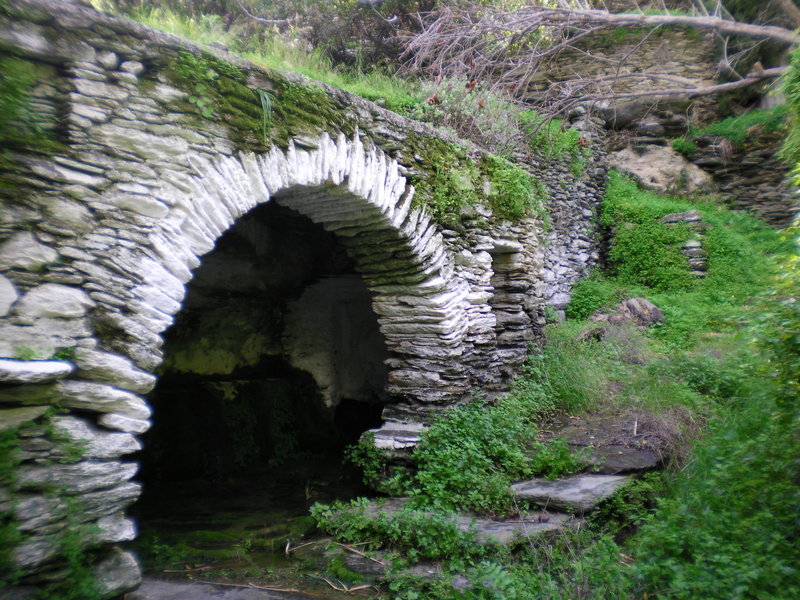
14 417
493 531
612 443
580 493
33 371
611 460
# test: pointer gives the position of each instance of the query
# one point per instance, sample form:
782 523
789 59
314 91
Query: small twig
251 585
351 549
250 15
342 587
289 548
635 427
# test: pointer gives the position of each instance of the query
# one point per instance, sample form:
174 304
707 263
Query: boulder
661 169
638 311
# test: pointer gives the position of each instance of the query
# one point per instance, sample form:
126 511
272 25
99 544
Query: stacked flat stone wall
101 231
753 177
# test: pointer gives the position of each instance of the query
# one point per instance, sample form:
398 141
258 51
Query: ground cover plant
722 522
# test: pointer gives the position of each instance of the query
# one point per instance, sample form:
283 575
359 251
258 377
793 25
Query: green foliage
779 323
9 534
790 151
451 182
741 128
554 459
631 505
468 458
418 534
372 461
643 250
702 373
25 353
280 51
514 193
590 295
685 146
551 139
738 499
67 354
455 181
21 127
79 582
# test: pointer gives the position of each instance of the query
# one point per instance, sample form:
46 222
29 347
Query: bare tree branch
513 50
250 15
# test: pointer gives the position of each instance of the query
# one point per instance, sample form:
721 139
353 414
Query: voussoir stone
580 493
54 300
114 369
33 371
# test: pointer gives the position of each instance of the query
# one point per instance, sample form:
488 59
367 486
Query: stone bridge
176 213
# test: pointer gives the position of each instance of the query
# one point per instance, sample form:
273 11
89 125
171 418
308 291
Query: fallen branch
289 547
354 550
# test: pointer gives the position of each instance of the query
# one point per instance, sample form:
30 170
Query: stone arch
352 190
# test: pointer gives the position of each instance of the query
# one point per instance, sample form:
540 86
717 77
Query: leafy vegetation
696 370
737 129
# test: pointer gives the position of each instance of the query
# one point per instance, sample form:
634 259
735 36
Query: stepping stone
492 531
580 493
611 460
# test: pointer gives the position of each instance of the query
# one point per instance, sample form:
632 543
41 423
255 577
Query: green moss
741 128
9 534
643 250
255 118
22 128
514 193
453 181
685 146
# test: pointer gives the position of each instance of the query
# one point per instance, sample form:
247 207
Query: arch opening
273 365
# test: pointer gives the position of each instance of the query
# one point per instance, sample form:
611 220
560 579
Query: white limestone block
99 397
8 295
24 251
33 371
114 369
54 300
122 423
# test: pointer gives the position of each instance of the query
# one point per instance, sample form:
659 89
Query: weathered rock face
104 228
661 169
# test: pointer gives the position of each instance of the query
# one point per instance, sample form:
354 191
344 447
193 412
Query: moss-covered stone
255 118
452 181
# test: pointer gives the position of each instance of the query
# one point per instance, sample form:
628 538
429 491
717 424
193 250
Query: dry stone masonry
105 225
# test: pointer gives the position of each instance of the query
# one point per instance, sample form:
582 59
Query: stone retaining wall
103 226
753 177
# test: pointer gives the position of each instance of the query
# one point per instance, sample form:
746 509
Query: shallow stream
254 528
